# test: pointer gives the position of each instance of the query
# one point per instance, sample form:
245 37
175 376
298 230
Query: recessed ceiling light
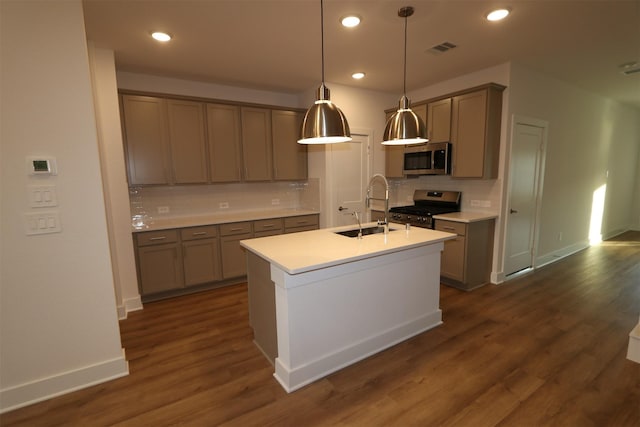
160 36
498 14
358 75
350 21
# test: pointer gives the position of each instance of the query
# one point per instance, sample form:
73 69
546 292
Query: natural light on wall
597 210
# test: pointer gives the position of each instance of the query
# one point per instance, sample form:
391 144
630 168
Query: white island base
331 317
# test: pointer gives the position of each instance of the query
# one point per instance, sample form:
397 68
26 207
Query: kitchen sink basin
365 231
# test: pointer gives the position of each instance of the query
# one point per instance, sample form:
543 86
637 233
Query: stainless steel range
426 203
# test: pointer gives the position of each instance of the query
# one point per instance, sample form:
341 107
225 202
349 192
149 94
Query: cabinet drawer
156 237
301 221
274 224
204 232
451 227
235 228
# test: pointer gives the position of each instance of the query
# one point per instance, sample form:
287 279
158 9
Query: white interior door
525 180
350 171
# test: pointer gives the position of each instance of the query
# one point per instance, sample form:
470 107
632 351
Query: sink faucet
386 199
357 215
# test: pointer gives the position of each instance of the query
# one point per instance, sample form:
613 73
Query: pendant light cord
322 36
404 82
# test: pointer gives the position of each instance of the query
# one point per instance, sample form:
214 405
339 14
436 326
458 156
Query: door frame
544 125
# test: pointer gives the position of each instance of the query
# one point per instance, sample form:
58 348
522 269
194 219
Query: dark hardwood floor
546 348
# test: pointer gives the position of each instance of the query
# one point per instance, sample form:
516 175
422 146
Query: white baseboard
46 388
129 305
633 351
560 253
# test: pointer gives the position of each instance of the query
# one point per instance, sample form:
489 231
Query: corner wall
58 322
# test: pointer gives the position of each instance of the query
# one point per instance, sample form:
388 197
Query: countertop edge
217 219
466 217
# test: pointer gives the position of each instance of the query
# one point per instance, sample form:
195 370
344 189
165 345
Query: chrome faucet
357 215
386 199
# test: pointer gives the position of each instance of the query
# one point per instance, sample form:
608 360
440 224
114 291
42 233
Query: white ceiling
275 44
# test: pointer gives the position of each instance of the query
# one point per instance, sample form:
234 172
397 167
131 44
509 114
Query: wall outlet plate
163 209
275 202
224 205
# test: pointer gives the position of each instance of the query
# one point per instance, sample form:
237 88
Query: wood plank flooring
547 348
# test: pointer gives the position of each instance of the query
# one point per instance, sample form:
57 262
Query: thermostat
41 166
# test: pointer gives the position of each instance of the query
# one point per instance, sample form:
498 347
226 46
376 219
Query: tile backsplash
196 200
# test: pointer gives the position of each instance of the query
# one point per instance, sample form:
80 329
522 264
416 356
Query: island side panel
262 305
330 318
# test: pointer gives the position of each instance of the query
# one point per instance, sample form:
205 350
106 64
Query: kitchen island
320 301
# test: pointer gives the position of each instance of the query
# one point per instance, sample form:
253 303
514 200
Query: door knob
342 209
513 211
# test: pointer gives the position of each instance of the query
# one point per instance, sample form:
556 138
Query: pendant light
324 122
404 126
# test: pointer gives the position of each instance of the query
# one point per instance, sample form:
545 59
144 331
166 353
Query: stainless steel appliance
432 158
426 203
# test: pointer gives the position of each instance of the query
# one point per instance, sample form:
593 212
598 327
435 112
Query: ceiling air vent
441 48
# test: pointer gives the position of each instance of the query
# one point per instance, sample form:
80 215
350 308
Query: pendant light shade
404 126
324 122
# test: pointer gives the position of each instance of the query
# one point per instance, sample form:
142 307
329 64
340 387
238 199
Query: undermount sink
365 231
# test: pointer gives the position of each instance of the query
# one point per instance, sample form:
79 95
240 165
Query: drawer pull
158 238
268 225
199 233
302 222
237 229
449 228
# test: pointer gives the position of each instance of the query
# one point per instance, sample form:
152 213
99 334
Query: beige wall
592 141
58 327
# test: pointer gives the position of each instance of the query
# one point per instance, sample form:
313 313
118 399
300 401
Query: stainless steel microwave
432 158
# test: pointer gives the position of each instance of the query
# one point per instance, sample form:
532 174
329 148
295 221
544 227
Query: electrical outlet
481 203
275 202
224 205
163 209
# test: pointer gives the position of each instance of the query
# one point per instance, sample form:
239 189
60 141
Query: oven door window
417 161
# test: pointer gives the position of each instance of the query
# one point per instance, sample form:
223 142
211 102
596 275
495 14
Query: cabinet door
187 142
393 159
289 157
223 132
146 139
439 120
234 258
160 268
468 134
452 261
201 261
256 144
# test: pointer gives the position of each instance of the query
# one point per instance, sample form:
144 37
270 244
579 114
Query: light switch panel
42 196
42 223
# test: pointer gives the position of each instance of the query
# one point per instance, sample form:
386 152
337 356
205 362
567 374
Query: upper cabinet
256 144
145 132
439 120
393 158
223 135
289 157
185 141
475 133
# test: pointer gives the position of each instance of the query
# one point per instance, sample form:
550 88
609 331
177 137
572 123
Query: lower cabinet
159 257
201 255
466 260
234 258
171 261
295 224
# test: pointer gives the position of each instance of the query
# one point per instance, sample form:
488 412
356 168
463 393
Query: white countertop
466 217
217 218
312 250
